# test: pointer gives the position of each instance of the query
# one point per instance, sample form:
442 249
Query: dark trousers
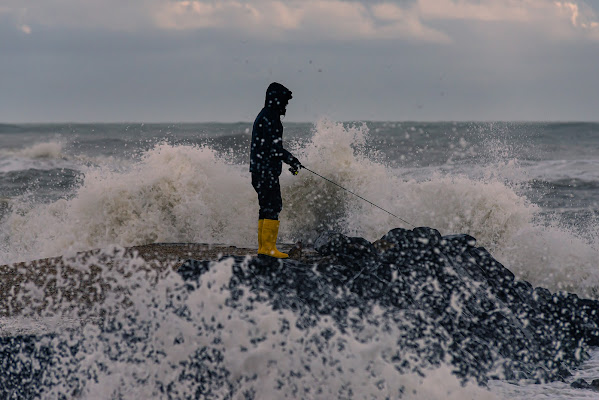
269 195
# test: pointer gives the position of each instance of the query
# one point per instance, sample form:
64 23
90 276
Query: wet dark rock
431 236
349 249
23 361
583 384
580 384
441 290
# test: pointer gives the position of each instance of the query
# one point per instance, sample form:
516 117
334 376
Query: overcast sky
195 61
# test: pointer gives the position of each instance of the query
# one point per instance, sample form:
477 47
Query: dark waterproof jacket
267 153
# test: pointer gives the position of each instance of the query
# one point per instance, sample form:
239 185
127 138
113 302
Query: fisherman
266 157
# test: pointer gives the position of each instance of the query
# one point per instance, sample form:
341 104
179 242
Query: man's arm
284 154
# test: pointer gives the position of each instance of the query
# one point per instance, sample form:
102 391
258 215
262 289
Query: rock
580 384
191 269
398 236
427 235
382 245
462 240
23 359
343 247
469 307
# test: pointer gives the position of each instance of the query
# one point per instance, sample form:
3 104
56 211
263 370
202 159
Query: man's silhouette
266 157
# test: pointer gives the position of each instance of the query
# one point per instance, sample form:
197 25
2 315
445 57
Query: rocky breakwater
454 303
347 316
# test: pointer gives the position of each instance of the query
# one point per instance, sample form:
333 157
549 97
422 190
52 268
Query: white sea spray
161 338
186 193
174 194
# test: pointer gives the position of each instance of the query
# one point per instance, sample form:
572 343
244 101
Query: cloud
275 19
313 20
505 10
113 15
581 16
17 15
556 18
350 20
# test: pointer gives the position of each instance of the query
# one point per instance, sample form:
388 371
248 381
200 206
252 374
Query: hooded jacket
267 153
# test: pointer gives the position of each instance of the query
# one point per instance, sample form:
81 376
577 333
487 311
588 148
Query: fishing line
368 201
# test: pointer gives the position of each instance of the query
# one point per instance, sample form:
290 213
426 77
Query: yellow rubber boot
260 241
270 231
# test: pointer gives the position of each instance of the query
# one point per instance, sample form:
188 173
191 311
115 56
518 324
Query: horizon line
293 122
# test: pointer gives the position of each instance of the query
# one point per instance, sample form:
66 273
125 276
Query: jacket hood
277 96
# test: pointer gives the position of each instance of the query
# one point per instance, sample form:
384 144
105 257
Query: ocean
528 192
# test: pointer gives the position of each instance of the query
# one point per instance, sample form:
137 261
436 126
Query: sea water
527 191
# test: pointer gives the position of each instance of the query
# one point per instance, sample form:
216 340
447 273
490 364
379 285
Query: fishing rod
347 190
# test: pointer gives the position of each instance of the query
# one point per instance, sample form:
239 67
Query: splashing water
52 149
43 155
487 208
182 193
172 342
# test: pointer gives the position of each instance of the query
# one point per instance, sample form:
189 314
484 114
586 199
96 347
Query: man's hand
295 166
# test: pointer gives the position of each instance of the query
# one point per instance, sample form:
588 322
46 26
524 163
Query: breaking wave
185 193
44 155
52 149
